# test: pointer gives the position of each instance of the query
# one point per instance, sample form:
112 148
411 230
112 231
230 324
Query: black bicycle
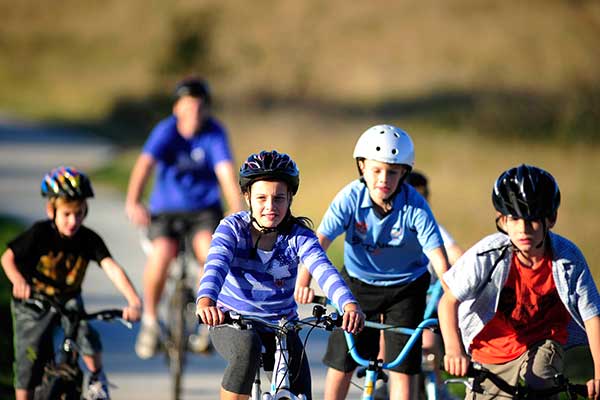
63 377
479 374
181 311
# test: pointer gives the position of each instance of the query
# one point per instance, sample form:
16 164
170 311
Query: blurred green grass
9 228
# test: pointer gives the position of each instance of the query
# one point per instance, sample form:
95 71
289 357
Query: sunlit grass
461 167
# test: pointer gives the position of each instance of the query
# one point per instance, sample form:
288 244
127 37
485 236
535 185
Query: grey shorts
242 351
167 224
34 331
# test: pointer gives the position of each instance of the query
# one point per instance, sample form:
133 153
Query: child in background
520 297
390 238
252 267
51 258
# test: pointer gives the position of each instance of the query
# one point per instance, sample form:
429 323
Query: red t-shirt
529 310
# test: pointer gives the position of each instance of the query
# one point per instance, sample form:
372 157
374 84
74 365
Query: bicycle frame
63 374
176 340
280 382
374 367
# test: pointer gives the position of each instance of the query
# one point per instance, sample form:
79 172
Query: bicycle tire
60 384
177 338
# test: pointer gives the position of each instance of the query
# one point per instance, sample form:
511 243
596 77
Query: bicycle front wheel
177 338
60 383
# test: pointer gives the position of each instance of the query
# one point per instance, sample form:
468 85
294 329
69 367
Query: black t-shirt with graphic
53 264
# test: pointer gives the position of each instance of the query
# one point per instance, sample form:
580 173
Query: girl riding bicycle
252 267
520 296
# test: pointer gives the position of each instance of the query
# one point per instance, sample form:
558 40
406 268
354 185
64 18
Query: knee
163 250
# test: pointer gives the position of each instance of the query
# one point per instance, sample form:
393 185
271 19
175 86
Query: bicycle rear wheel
177 338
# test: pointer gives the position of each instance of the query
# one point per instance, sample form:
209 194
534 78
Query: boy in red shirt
521 296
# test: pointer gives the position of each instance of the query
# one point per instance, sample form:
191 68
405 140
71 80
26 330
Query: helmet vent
378 148
396 134
394 151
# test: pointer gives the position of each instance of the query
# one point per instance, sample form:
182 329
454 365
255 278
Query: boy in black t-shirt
51 258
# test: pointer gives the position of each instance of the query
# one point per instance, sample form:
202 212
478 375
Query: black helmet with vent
526 192
269 166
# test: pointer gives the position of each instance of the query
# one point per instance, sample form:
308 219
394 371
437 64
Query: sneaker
97 388
199 343
147 340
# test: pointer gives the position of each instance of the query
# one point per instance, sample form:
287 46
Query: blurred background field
480 85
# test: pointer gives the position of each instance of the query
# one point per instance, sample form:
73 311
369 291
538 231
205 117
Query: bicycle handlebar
318 319
41 302
479 373
413 333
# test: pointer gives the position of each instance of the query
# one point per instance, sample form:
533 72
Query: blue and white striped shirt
237 279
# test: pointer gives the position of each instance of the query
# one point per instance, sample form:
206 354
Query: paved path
26 153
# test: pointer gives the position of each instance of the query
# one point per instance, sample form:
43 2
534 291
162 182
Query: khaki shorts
537 367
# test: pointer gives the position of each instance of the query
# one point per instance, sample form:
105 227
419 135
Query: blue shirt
237 279
185 177
477 278
382 251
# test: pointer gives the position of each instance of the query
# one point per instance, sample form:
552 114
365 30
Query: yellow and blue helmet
66 182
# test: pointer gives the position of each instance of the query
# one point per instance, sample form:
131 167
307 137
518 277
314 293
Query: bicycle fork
370 379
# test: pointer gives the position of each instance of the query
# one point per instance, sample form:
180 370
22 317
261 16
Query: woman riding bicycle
252 267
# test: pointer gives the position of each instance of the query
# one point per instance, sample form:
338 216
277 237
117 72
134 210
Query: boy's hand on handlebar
21 289
304 294
593 387
208 312
354 319
456 363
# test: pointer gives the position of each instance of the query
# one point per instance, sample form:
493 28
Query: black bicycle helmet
194 87
526 192
66 182
270 166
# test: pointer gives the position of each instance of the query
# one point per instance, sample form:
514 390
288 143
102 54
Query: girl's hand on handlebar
304 294
593 387
208 312
354 319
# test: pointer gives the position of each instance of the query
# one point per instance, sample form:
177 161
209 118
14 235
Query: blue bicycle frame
374 366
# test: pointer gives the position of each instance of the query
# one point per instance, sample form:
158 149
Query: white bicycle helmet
386 143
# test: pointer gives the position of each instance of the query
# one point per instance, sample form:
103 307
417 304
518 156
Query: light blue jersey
382 251
238 279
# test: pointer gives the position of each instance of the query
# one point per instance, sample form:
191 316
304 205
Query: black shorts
402 305
172 225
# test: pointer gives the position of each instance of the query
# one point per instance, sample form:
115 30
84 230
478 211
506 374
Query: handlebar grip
580 389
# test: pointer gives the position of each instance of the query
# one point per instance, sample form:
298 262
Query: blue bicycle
373 369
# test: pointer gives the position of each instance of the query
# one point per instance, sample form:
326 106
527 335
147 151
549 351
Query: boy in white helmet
390 237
